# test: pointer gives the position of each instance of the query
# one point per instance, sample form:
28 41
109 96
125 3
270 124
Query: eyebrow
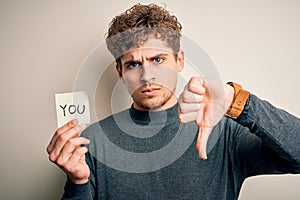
152 57
159 55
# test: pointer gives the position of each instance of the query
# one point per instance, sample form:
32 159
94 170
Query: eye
134 64
158 60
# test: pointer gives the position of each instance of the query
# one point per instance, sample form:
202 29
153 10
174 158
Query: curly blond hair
133 27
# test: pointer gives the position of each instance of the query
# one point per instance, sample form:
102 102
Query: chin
150 105
153 103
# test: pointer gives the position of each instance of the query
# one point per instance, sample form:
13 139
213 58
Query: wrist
79 181
229 96
239 101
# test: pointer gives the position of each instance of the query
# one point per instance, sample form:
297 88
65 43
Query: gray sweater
140 155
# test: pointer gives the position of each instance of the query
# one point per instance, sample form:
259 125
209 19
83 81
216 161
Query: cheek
131 79
167 76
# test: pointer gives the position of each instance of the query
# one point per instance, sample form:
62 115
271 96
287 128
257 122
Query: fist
204 101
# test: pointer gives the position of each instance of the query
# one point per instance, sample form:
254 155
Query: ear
180 61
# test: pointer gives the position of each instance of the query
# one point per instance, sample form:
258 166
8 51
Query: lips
150 91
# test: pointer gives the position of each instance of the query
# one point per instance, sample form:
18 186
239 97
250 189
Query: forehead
149 48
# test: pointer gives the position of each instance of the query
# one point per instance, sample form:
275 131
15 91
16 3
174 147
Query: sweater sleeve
273 147
77 191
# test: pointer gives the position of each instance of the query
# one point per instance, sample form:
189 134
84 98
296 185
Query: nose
147 75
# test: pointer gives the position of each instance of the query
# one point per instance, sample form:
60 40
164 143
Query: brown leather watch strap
239 100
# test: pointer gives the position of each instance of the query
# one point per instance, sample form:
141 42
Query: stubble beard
152 102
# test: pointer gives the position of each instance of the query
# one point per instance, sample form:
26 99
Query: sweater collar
146 117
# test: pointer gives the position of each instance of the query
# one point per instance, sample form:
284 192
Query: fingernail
75 121
87 141
84 140
82 127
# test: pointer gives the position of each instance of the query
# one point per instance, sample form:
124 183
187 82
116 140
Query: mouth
151 91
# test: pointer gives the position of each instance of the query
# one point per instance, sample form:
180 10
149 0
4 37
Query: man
236 134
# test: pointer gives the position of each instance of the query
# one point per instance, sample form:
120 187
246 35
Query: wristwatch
239 100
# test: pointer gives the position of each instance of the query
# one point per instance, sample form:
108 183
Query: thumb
203 135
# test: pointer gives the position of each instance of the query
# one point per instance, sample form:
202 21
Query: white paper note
72 105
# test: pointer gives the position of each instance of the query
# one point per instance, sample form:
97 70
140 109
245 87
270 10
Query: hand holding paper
66 148
66 151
